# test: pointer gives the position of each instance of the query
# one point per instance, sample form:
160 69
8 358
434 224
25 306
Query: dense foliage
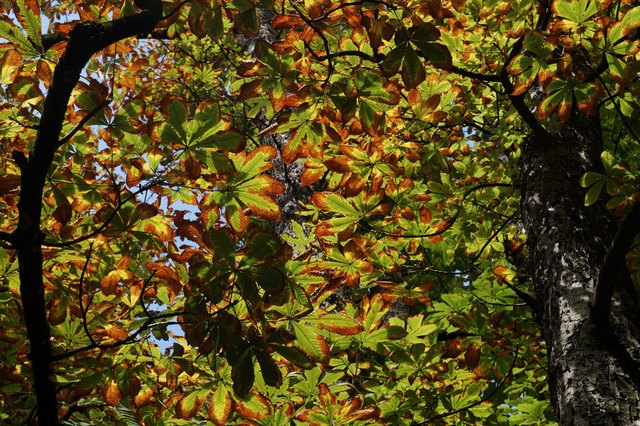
266 211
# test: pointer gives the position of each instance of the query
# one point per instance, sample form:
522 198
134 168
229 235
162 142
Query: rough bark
86 39
593 377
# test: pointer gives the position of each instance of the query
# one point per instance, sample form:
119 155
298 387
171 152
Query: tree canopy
217 212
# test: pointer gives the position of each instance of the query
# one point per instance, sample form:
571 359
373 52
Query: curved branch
322 36
614 265
345 53
354 3
81 123
83 310
107 221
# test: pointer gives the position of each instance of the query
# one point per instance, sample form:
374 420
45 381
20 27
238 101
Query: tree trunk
593 377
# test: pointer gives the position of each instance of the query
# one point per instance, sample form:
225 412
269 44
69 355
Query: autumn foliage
270 211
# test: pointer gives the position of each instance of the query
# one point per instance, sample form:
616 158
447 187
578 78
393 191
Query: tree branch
82 122
85 40
83 310
615 264
107 221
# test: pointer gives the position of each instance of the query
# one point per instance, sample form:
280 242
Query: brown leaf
109 283
57 311
43 72
143 396
116 332
472 356
111 393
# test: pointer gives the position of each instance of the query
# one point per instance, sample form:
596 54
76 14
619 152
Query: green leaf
312 343
31 21
577 11
436 53
336 323
393 60
242 373
294 355
268 368
332 202
177 117
594 193
413 72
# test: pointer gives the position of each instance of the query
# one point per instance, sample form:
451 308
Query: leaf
395 332
294 355
111 393
577 11
593 194
116 332
253 406
336 323
242 372
188 406
11 60
330 201
437 54
220 406
57 311
393 60
312 343
504 274
413 72
29 16
270 371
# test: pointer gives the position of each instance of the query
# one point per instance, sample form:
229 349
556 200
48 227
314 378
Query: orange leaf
143 396
504 274
111 393
43 72
116 332
311 175
109 283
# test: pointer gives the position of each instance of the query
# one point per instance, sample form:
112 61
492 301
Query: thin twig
106 223
83 311
82 122
322 36
355 3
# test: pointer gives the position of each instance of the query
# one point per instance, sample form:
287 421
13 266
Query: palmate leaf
577 11
251 190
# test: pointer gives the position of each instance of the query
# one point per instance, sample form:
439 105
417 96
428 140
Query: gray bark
593 373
